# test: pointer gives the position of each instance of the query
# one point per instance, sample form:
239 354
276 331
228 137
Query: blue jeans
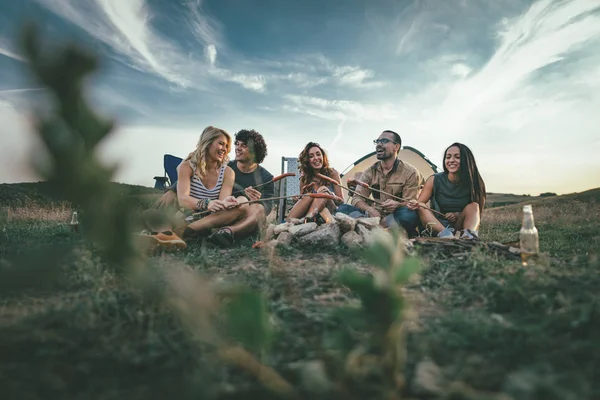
408 219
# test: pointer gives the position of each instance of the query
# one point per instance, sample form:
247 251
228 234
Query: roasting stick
275 179
328 179
363 184
313 195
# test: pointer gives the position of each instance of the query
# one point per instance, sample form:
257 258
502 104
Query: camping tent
406 154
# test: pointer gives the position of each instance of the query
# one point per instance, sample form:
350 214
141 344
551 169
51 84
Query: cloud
6 50
10 54
211 54
541 37
356 77
205 28
339 109
126 27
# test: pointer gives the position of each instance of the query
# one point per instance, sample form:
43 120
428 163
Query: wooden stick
275 179
313 195
363 184
328 179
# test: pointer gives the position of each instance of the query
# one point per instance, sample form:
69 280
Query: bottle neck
528 222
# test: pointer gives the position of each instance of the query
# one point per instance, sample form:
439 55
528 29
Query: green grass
70 329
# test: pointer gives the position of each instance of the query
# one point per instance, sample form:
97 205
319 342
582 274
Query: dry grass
51 213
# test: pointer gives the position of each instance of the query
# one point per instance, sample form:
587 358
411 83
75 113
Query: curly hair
307 174
197 158
255 142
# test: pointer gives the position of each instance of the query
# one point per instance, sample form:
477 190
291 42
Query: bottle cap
527 208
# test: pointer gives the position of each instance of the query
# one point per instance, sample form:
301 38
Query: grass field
485 326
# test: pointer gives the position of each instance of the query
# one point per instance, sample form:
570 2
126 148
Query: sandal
223 237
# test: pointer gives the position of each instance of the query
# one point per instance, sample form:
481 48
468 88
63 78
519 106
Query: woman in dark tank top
458 193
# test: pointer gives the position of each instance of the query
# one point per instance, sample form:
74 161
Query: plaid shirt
403 180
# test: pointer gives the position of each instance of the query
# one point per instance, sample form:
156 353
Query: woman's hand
230 202
413 205
452 216
252 193
216 206
323 189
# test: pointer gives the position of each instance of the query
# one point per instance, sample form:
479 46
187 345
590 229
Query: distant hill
40 193
504 199
592 195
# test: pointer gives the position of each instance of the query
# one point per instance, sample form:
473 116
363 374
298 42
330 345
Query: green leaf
247 320
379 255
409 267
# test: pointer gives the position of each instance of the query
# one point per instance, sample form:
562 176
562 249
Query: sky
517 81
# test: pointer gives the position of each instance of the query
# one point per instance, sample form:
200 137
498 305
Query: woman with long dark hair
312 161
458 193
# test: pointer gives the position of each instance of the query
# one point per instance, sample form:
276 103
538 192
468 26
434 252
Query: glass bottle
74 222
528 236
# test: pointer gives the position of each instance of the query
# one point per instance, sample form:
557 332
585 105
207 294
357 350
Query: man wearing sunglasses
390 175
250 151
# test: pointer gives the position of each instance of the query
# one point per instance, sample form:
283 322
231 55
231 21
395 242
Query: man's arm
269 190
359 201
412 186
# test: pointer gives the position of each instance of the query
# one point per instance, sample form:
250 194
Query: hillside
22 194
40 193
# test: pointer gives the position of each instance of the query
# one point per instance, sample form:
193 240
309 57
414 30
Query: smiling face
218 149
315 158
385 146
452 160
242 152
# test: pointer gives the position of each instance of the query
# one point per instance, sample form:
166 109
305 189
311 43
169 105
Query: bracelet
202 204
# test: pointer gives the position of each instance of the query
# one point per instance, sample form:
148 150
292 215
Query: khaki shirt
403 180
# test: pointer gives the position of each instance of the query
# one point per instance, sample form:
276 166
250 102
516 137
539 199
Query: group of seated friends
222 200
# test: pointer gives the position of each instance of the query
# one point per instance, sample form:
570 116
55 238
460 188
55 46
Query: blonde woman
205 183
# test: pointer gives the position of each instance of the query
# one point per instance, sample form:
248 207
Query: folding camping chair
288 187
171 163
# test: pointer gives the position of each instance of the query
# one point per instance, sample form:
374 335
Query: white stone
428 379
285 227
303 229
363 231
371 222
351 239
346 222
270 232
285 238
328 235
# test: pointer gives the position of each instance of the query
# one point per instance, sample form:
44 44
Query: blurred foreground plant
382 311
71 133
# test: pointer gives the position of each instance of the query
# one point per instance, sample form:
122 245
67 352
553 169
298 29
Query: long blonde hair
197 158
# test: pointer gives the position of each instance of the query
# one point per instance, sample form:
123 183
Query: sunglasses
383 141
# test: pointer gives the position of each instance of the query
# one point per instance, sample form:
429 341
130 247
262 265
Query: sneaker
469 234
161 240
223 237
447 233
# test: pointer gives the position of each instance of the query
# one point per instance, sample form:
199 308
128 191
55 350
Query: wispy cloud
126 27
546 34
7 51
339 109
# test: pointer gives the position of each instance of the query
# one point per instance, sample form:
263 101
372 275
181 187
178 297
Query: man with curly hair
250 152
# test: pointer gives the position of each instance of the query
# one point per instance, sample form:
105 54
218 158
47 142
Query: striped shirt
199 191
